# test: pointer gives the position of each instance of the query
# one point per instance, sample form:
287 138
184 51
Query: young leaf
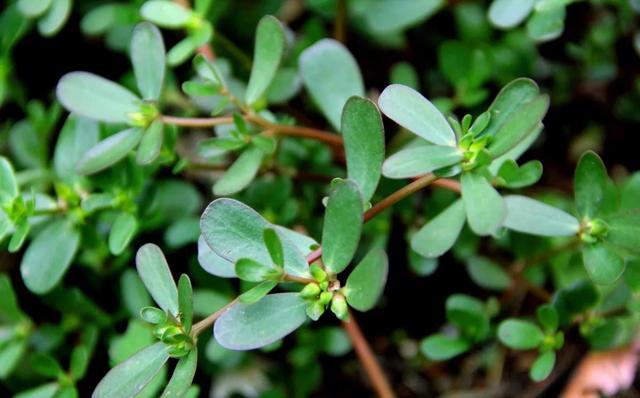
257 292
439 347
77 137
151 143
484 206
624 231
331 75
438 236
241 172
342 225
182 377
153 315
212 262
269 47
33 8
547 24
510 103
548 317
8 183
131 376
123 230
520 335
95 97
366 282
185 302
9 311
252 271
274 246
109 151
589 184
506 14
542 367
512 176
250 326
363 135
51 22
418 160
49 255
487 274
603 264
19 235
469 315
167 14
156 276
530 216
148 59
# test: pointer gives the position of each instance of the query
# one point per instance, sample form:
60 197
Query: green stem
208 321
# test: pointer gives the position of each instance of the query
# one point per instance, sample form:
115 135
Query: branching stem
208 321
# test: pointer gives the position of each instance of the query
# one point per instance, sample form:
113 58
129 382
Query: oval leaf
123 230
506 14
532 217
77 137
419 160
589 184
520 335
438 236
542 367
109 151
366 282
148 59
241 172
439 347
213 263
156 276
484 206
603 264
269 47
182 376
151 143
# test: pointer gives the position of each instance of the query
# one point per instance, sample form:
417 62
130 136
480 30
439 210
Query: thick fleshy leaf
148 59
95 97
439 347
241 172
484 206
250 326
543 365
469 315
387 18
51 22
109 151
131 376
624 231
151 143
9 311
257 292
49 255
515 152
274 246
411 110
233 231
48 390
8 183
518 127
77 137
33 8
419 160
363 135
532 217
342 225
438 236
123 230
156 276
185 302
182 377
269 47
253 271
10 355
506 14
510 102
520 335
547 24
212 262
603 264
366 282
487 274
331 75
512 176
167 14
589 184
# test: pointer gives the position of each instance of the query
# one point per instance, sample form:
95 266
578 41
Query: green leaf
542 367
438 236
530 216
185 302
156 276
487 274
366 282
548 317
80 357
511 102
122 232
363 135
8 183
285 85
253 271
546 25
342 225
603 264
274 246
151 143
624 231
512 176
109 151
439 347
417 114
234 231
181 51
33 8
516 129
469 315
331 75
148 60
589 184
607 334
484 206
10 355
419 160
212 262
19 235
241 172
131 376
268 51
387 18
51 23
520 335
182 377
165 13
95 97
49 255
49 390
45 365
404 73
77 137
250 326
9 311
153 315
257 292
506 14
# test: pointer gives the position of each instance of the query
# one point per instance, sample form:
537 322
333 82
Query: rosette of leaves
172 322
51 15
100 99
172 15
483 153
544 337
545 18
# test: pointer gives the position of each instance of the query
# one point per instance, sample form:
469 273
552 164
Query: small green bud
311 290
598 227
181 349
325 297
324 285
339 307
172 335
315 309
318 273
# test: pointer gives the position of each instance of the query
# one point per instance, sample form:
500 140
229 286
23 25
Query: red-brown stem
208 321
399 195
297 131
340 25
451 185
196 121
367 358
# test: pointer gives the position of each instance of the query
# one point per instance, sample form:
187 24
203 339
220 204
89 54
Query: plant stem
340 28
400 194
367 358
297 131
196 122
208 321
297 279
